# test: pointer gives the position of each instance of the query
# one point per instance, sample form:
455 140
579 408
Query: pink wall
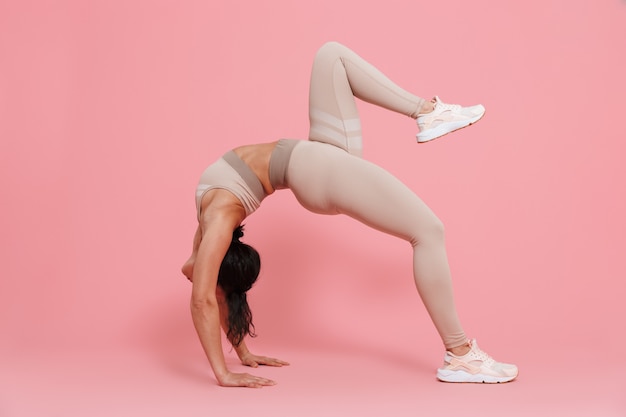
110 110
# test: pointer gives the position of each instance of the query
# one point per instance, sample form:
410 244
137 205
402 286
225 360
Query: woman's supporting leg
338 76
327 180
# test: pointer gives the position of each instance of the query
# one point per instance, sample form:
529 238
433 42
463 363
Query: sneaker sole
444 129
462 376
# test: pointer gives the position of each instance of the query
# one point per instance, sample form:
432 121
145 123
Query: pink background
110 110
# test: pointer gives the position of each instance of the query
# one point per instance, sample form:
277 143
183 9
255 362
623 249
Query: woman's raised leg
338 76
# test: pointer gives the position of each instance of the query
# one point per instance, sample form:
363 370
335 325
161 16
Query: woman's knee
429 230
331 49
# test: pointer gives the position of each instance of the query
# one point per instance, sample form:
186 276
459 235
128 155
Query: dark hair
238 272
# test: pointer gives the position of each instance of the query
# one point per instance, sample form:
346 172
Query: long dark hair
238 272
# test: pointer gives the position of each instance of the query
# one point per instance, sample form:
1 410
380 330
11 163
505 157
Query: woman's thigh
328 180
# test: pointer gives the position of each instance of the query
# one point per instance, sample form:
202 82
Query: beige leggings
328 180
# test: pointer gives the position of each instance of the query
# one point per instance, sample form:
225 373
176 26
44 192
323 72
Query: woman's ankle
426 108
460 350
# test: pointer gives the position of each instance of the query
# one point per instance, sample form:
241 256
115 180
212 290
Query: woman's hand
244 380
254 361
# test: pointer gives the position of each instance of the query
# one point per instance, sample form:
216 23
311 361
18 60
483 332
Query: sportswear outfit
328 176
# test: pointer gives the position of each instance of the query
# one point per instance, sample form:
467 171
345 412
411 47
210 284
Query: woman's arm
216 238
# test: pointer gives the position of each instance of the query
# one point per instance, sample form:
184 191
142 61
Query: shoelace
445 106
481 355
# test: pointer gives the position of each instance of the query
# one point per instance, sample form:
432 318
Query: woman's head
238 272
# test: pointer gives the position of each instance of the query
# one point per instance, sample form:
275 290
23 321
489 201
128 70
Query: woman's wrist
242 352
221 374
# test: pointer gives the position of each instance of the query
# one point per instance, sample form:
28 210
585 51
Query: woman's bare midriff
257 157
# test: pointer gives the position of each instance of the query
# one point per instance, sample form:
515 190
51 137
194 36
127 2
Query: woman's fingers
246 380
264 360
274 362
254 361
256 382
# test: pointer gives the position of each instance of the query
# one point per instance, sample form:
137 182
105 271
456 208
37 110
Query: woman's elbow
203 305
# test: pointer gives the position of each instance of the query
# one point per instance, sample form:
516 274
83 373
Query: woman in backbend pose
327 176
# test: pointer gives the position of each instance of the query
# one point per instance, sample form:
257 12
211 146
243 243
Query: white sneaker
446 118
475 366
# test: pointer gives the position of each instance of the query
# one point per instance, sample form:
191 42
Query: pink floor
327 381
359 364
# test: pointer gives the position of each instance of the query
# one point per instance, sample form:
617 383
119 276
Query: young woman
327 176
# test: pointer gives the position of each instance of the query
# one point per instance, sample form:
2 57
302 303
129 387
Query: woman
327 176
